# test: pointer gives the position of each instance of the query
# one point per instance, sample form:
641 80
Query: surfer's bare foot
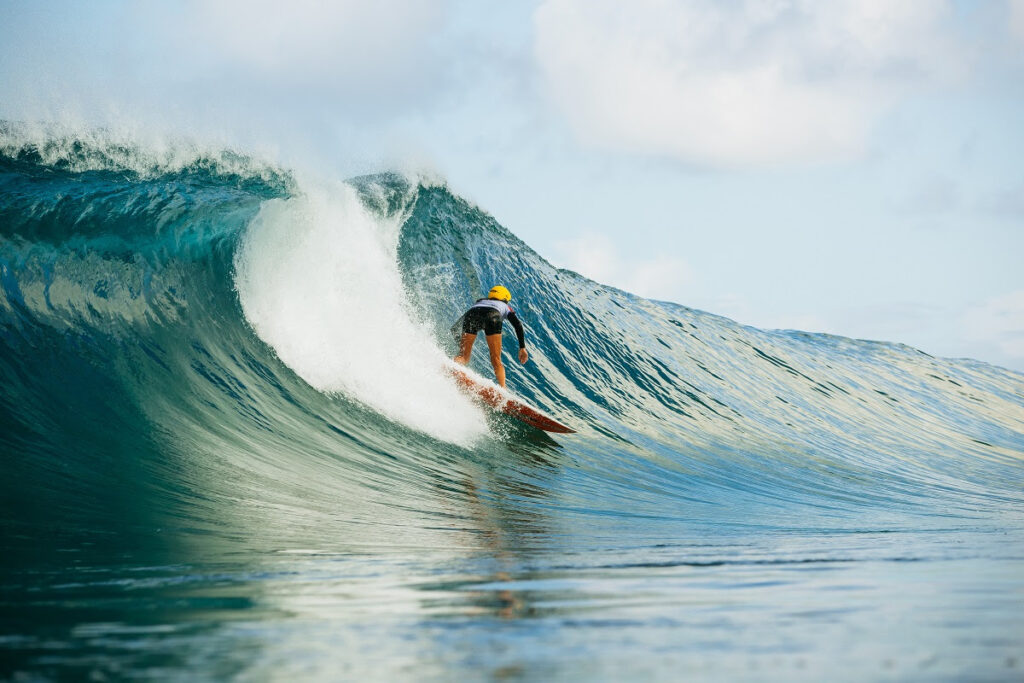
460 360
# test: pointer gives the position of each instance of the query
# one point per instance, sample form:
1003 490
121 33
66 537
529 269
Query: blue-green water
229 450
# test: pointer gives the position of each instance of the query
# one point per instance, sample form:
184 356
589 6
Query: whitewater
230 451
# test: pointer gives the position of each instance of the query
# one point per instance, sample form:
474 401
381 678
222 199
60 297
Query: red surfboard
502 400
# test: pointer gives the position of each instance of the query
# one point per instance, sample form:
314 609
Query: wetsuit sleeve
520 336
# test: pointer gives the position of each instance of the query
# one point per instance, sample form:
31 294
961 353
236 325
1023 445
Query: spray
318 280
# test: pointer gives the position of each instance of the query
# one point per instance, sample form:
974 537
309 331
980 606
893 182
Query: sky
850 167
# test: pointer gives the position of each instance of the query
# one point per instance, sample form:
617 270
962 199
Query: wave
198 340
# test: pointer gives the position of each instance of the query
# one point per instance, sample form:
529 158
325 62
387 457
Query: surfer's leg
494 346
465 348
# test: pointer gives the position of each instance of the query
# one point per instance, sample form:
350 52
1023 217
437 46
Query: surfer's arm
518 326
520 336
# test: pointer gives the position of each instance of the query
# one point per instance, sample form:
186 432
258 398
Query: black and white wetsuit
488 315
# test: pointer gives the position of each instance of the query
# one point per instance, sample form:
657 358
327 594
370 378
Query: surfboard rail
504 401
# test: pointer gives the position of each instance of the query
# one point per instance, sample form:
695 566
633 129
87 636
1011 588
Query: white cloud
747 82
311 37
597 257
227 65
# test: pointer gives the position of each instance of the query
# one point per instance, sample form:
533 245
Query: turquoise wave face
123 322
216 373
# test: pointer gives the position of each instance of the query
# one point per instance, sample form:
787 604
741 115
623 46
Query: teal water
230 452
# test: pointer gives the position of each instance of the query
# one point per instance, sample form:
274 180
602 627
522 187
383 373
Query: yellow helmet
500 293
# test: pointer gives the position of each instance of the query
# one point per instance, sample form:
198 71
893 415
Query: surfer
488 315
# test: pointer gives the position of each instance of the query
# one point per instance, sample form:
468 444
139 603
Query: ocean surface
229 451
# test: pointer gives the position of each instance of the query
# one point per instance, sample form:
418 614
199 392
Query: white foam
128 147
318 280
